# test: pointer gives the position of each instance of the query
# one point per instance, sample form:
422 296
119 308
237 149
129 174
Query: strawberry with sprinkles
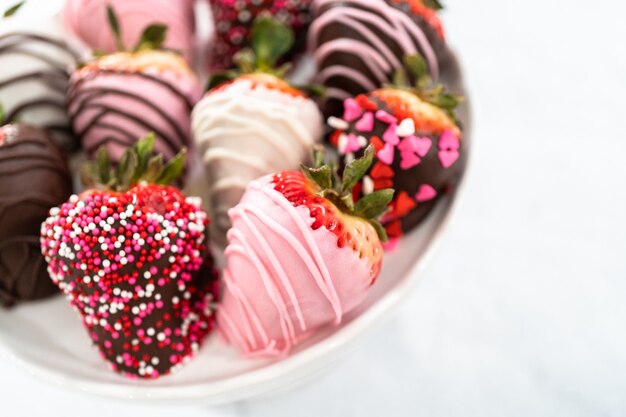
131 256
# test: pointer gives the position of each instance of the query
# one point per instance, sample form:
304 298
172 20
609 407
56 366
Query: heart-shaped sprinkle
425 193
422 145
352 144
352 110
409 160
385 117
406 128
366 124
448 158
386 154
449 140
390 136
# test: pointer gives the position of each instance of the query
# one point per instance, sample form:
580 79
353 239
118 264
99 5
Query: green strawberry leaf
375 204
380 230
143 149
417 66
103 164
13 9
433 4
356 169
321 176
3 115
245 61
173 169
115 28
270 40
152 38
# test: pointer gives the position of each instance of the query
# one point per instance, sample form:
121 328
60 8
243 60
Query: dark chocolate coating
49 69
390 29
430 170
34 177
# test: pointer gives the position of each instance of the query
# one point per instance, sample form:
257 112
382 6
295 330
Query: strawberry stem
339 190
138 164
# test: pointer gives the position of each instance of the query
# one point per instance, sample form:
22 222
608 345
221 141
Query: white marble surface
522 312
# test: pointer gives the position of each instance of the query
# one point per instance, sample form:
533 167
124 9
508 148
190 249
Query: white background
523 310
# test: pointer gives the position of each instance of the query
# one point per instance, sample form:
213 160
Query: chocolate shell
120 98
419 163
233 23
34 177
34 74
359 44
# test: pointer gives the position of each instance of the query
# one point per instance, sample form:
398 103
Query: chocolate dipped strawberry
34 177
301 254
234 21
253 123
418 142
359 44
118 98
131 255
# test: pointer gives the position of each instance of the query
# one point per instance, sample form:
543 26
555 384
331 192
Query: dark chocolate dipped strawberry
118 98
234 21
418 142
131 255
34 177
359 44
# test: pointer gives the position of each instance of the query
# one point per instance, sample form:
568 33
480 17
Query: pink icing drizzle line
244 305
281 308
282 274
329 291
395 23
311 258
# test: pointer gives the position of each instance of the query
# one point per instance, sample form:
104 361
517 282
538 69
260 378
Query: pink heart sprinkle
425 193
390 136
366 124
409 160
422 145
352 110
386 154
352 144
448 158
385 117
449 140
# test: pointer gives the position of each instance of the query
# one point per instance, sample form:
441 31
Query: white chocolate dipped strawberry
253 124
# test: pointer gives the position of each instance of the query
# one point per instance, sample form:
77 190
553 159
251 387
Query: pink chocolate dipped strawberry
418 142
118 98
84 19
131 255
301 254
234 20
